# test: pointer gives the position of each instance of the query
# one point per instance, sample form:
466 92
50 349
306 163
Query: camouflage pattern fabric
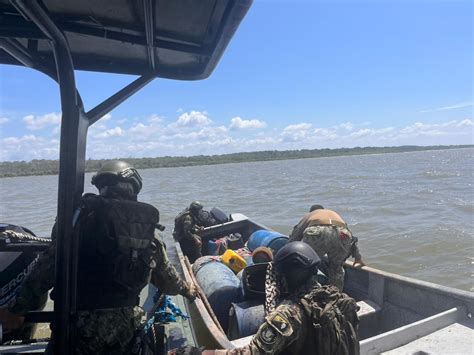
285 330
107 329
189 241
334 241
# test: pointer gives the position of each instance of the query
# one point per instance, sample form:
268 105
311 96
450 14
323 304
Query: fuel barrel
221 287
245 318
267 238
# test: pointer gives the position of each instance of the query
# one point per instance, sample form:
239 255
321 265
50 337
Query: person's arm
165 277
189 230
282 329
355 253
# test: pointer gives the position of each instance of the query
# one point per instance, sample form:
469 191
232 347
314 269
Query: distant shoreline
50 167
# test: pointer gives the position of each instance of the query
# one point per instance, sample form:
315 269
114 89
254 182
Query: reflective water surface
412 212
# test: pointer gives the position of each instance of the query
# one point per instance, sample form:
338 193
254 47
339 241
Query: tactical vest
115 251
178 224
334 322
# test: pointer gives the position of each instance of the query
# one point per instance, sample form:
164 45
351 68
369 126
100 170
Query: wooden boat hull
395 310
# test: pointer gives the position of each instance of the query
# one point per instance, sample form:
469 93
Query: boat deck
457 338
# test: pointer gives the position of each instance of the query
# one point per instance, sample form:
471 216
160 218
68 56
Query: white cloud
371 132
296 132
197 134
155 119
238 123
38 122
106 117
465 123
452 107
19 140
114 132
428 129
323 133
28 147
193 118
3 120
297 127
348 126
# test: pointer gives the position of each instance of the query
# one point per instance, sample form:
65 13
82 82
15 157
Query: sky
297 74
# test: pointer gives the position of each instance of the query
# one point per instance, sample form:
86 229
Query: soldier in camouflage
185 231
108 315
327 233
298 325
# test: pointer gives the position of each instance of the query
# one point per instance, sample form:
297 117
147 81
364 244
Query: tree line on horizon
51 167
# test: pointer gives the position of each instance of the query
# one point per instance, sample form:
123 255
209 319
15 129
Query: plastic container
267 238
233 260
221 287
245 318
212 248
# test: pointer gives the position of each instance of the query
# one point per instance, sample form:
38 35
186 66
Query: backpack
334 320
115 251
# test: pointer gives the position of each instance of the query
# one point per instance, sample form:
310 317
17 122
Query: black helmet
296 261
195 206
115 171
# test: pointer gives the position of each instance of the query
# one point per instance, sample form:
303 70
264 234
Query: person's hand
358 262
197 241
192 292
186 350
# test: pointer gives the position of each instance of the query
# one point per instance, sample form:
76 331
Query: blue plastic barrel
245 319
267 238
221 287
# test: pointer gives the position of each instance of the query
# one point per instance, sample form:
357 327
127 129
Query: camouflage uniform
286 330
188 240
102 331
334 240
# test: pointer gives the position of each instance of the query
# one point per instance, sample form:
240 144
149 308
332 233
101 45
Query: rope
23 236
161 314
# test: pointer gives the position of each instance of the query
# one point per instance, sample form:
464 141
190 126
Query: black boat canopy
179 39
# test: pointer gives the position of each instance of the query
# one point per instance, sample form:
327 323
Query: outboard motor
219 215
15 266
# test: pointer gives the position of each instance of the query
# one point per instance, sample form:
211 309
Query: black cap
316 207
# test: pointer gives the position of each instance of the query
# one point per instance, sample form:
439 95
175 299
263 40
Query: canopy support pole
74 125
113 101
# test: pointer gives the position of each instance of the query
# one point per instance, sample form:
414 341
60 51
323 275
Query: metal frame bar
20 53
148 11
113 101
25 30
74 126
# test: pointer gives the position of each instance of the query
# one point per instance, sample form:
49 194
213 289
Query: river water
412 212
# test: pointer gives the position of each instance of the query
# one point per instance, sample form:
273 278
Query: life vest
115 251
333 322
178 224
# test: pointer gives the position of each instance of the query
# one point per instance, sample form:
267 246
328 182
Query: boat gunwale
465 298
